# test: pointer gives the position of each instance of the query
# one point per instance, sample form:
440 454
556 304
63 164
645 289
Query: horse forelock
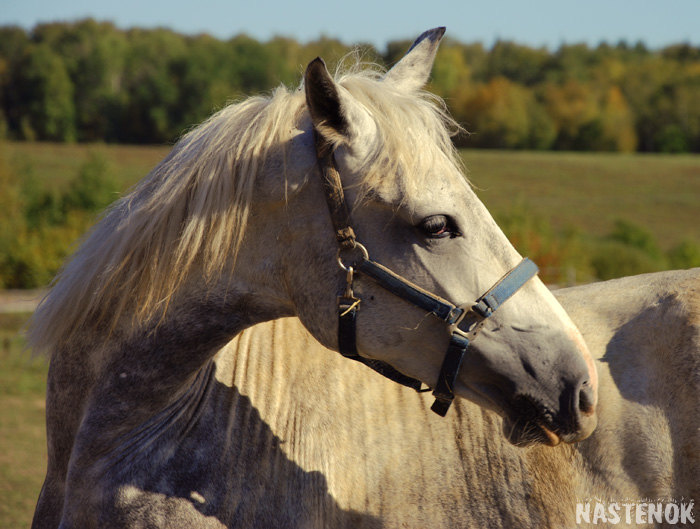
415 132
190 211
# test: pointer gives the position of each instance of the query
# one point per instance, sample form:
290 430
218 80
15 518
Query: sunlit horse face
422 220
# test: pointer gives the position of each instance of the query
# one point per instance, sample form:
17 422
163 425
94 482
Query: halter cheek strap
464 321
348 304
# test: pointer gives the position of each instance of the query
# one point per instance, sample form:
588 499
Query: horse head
414 212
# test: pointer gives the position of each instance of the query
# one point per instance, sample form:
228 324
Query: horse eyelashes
438 227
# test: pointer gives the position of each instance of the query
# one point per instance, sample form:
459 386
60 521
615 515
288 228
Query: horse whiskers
529 432
527 435
415 328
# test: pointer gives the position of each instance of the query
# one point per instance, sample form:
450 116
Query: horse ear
412 71
323 99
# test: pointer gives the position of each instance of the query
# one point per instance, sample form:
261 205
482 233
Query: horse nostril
585 398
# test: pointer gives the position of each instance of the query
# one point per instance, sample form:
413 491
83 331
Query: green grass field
56 163
586 192
22 431
589 191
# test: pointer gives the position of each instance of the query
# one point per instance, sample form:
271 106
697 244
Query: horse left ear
413 70
324 102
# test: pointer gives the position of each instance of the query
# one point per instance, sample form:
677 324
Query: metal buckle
364 256
348 302
468 323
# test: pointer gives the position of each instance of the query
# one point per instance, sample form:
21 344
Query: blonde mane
191 210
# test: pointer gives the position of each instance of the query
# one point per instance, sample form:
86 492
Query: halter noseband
464 321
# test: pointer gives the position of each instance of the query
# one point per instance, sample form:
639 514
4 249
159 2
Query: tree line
91 81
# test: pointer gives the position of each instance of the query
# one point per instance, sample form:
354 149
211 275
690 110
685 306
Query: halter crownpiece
464 321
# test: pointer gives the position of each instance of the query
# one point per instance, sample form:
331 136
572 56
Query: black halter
464 321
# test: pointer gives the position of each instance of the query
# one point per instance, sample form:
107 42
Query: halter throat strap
464 321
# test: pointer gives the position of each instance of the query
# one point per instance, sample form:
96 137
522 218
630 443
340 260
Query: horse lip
501 406
525 410
552 438
523 433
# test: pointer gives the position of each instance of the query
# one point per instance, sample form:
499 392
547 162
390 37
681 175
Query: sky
535 23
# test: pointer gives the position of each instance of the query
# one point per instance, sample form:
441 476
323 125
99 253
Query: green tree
13 43
289 59
617 123
504 114
89 80
151 93
250 68
573 107
94 56
520 64
451 74
47 93
676 115
201 77
572 62
94 187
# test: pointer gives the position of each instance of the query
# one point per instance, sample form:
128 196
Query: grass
56 163
22 429
585 191
589 191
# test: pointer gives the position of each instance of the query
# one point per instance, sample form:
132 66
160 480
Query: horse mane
191 210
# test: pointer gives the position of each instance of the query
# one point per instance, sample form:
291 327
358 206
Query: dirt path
14 301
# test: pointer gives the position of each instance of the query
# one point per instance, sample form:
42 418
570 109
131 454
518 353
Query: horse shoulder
644 332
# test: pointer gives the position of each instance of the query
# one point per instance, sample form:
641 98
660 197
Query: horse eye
438 226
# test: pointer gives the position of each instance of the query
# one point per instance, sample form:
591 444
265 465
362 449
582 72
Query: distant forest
90 81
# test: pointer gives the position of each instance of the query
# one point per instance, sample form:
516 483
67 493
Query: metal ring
358 246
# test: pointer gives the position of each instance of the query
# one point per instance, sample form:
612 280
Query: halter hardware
463 321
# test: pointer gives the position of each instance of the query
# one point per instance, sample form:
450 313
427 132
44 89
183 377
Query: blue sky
535 22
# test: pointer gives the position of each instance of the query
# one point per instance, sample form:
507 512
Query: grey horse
156 418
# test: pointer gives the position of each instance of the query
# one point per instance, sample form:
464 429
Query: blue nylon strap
451 364
404 289
347 316
484 307
508 285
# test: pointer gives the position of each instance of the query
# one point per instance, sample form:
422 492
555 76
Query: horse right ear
411 73
323 100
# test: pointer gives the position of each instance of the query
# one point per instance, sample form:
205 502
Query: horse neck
148 375
378 443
